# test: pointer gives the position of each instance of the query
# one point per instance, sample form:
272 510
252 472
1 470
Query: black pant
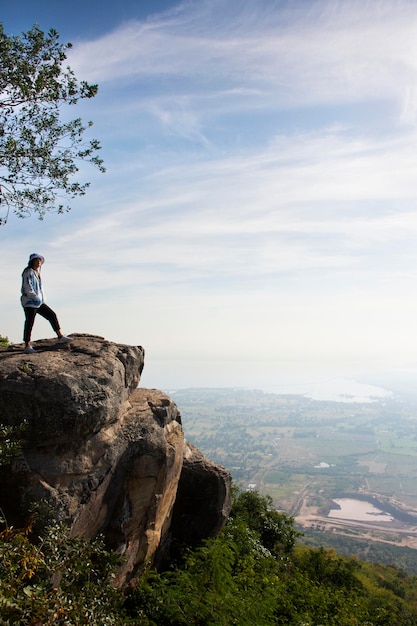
30 313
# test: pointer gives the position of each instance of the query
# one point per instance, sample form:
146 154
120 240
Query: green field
281 443
304 453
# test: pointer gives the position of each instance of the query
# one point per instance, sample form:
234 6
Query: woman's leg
50 315
30 314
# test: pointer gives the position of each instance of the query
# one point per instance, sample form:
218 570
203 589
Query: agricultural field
306 453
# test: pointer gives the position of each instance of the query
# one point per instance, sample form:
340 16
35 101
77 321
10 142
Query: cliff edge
107 456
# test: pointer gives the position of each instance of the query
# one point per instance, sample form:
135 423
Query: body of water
323 382
335 390
359 511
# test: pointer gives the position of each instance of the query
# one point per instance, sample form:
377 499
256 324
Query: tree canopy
49 576
40 151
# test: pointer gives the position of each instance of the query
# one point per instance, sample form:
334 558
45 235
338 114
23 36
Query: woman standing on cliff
33 302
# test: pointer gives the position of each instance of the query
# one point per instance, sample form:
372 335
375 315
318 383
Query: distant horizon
332 384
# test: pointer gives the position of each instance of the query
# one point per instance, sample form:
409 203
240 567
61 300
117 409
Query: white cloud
303 203
315 53
260 194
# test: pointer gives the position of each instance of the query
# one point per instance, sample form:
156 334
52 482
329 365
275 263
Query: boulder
203 500
67 391
107 456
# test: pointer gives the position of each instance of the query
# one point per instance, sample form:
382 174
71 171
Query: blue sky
257 222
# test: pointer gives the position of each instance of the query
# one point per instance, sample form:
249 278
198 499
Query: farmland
306 453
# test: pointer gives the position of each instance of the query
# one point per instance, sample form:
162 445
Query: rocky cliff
108 456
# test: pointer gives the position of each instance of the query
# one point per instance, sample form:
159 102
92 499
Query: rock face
203 499
108 456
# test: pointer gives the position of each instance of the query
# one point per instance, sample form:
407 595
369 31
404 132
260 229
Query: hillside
251 574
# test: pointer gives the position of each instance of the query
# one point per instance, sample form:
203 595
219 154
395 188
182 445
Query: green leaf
39 152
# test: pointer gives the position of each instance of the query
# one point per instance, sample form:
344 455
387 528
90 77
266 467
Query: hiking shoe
64 339
29 350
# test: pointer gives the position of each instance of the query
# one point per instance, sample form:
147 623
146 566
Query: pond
359 511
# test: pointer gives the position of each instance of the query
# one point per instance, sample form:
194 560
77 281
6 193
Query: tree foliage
250 576
233 580
31 570
40 152
275 530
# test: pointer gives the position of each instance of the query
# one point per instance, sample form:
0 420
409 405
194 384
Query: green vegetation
269 440
252 574
39 153
10 437
55 579
305 453
11 441
4 342
260 569
353 543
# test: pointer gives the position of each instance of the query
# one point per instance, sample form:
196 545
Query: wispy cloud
261 165
309 54
306 202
